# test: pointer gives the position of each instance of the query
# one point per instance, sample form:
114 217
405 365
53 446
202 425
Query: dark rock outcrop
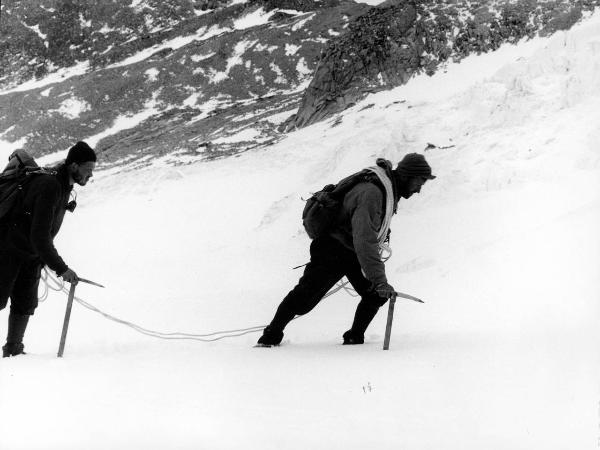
400 38
380 48
296 5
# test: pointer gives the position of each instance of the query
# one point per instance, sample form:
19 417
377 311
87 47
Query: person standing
27 240
351 248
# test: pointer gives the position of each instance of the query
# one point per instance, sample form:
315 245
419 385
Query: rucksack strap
339 191
16 155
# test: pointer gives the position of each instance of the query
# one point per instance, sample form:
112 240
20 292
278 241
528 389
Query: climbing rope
58 285
385 251
52 283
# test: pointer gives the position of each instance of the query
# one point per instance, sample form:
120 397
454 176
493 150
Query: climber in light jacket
352 249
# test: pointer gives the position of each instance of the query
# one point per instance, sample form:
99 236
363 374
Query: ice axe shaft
388 326
63 337
390 317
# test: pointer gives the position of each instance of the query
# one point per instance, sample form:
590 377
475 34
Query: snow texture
503 247
73 107
201 34
253 19
59 76
152 74
234 60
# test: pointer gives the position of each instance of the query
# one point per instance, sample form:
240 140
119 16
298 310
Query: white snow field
504 247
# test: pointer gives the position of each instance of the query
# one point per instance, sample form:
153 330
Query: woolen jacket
30 233
360 219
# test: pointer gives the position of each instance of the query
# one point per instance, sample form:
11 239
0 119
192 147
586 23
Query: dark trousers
19 281
329 262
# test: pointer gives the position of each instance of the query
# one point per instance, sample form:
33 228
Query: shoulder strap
346 184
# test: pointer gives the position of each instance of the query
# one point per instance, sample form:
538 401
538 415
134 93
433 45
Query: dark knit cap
80 153
414 165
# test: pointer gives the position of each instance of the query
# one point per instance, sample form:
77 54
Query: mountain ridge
209 79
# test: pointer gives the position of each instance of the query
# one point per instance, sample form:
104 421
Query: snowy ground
503 247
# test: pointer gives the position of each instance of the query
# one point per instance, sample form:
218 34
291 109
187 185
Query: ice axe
390 317
63 337
83 280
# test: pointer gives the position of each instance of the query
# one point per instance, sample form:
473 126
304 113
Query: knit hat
80 153
414 165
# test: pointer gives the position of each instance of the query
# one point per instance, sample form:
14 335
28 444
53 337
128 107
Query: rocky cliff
392 42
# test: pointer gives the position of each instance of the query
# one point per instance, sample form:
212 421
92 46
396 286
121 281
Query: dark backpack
14 178
322 209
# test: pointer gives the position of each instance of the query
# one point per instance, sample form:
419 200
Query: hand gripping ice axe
390 317
63 337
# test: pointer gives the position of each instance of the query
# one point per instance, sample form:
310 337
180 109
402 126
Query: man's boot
17 324
273 334
270 337
365 312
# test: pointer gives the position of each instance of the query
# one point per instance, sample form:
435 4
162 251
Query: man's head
411 174
80 162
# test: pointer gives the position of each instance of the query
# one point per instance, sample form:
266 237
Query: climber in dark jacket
352 249
27 240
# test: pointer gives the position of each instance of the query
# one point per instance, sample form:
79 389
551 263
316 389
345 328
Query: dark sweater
31 233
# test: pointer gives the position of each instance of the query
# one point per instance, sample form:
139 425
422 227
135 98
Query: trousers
329 262
19 281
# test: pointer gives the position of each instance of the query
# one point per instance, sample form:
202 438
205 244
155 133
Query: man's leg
24 301
320 274
369 304
9 271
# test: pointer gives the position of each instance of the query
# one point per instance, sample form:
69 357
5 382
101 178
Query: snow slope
503 246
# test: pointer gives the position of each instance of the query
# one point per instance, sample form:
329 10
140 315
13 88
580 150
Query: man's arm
367 200
42 219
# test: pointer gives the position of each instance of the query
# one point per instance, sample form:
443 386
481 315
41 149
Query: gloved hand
69 276
386 290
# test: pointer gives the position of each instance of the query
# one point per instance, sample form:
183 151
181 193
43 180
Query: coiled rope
53 283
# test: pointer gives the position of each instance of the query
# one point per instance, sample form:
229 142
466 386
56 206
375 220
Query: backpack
14 178
322 209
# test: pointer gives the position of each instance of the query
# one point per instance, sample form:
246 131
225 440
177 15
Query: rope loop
53 283
59 286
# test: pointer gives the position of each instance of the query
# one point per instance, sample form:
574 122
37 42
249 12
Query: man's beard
403 190
78 178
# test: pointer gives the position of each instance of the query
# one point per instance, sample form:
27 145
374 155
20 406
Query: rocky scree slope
191 80
195 84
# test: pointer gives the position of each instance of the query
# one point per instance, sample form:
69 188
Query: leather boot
17 324
365 312
270 337
12 350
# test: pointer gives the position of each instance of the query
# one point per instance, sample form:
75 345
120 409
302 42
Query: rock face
390 43
37 36
160 77
380 48
203 79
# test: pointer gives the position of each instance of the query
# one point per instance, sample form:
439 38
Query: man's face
414 186
81 173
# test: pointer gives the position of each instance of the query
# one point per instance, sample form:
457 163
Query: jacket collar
62 174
